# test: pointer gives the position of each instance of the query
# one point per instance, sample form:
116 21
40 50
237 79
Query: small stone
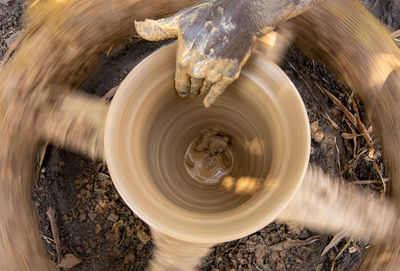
280 266
352 250
98 229
129 258
318 136
92 216
129 232
102 203
69 261
112 217
319 267
143 237
298 260
98 209
314 126
82 216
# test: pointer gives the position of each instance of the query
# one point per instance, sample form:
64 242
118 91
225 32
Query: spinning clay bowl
207 175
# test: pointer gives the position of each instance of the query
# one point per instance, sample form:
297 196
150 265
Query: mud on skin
215 39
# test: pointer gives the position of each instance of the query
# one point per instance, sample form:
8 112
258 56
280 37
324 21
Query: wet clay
206 175
209 158
214 42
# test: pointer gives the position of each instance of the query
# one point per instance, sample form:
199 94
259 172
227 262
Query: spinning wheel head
207 175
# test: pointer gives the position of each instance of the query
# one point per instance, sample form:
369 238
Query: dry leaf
69 261
335 240
350 136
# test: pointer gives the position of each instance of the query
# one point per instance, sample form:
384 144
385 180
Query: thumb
154 30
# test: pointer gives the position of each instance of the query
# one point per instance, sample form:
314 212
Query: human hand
215 39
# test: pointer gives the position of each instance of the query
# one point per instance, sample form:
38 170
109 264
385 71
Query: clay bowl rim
126 88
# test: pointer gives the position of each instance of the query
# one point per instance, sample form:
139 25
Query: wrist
267 14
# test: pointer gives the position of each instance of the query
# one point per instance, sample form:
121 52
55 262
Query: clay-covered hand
215 39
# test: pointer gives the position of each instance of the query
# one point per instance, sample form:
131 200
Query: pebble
112 217
352 250
143 237
298 260
92 216
98 228
82 217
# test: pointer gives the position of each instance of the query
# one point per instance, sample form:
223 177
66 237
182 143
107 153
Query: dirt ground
96 226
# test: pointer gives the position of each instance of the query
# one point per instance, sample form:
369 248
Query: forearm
261 16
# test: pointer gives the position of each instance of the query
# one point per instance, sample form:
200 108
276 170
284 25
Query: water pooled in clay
209 158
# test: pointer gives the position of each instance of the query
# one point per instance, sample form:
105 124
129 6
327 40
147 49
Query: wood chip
350 136
69 261
352 250
287 244
51 214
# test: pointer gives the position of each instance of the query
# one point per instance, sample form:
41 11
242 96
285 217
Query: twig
340 253
41 156
338 160
110 94
334 241
355 160
336 101
356 123
287 244
51 213
354 139
326 116
380 175
385 180
361 127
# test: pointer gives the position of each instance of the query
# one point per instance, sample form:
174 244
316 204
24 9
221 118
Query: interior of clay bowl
207 175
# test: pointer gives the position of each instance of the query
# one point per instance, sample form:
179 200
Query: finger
154 30
205 88
195 85
215 90
182 82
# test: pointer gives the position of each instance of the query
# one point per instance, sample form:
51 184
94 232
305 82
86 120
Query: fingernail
182 93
